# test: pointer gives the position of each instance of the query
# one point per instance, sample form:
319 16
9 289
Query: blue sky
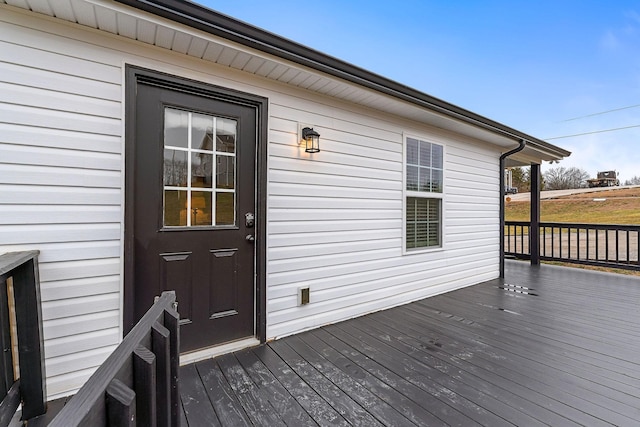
530 65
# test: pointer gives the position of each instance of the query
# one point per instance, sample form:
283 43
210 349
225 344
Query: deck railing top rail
577 225
574 225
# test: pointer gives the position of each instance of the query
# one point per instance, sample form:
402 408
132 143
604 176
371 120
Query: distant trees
520 178
633 181
561 178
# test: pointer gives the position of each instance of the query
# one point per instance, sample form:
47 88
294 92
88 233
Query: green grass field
619 207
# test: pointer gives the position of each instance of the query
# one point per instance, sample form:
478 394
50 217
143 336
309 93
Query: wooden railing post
26 288
6 369
22 268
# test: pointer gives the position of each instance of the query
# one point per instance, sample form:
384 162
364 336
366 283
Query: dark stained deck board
197 408
427 401
53 407
567 315
308 398
285 405
483 378
521 343
222 397
493 367
515 410
381 410
255 400
551 376
453 392
353 413
411 409
585 327
558 350
557 346
566 356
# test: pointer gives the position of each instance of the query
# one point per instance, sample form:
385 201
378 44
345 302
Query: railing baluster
121 405
638 247
515 241
171 322
627 243
144 369
560 240
588 230
161 342
521 240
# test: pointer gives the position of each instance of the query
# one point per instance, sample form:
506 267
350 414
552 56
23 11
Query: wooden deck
546 346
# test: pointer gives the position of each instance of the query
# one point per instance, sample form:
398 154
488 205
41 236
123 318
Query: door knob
250 238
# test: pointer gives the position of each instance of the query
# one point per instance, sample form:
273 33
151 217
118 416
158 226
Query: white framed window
423 194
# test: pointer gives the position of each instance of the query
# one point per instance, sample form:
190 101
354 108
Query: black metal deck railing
607 245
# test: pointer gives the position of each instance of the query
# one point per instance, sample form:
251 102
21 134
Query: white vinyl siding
61 192
334 220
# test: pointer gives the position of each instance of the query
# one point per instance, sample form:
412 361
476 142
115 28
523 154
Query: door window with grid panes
199 169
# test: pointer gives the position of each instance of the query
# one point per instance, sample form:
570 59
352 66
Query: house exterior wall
334 219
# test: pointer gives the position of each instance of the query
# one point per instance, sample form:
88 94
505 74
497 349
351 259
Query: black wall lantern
311 140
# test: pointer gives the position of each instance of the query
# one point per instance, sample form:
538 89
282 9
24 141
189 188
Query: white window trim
422 194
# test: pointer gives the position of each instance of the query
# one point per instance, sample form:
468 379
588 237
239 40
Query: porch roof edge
218 24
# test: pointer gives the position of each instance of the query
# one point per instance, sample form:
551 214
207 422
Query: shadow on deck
546 346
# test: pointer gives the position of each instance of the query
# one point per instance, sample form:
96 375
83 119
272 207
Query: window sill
422 250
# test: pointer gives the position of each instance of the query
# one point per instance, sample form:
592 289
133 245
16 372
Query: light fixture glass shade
311 140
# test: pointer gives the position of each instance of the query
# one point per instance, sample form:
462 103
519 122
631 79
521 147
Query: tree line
558 178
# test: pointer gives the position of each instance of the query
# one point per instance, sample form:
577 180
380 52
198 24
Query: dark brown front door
194 173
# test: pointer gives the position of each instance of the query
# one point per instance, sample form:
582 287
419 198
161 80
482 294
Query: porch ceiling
129 22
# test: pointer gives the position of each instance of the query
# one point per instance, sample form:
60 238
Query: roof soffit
132 23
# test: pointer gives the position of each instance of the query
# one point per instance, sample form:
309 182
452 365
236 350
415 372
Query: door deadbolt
249 219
